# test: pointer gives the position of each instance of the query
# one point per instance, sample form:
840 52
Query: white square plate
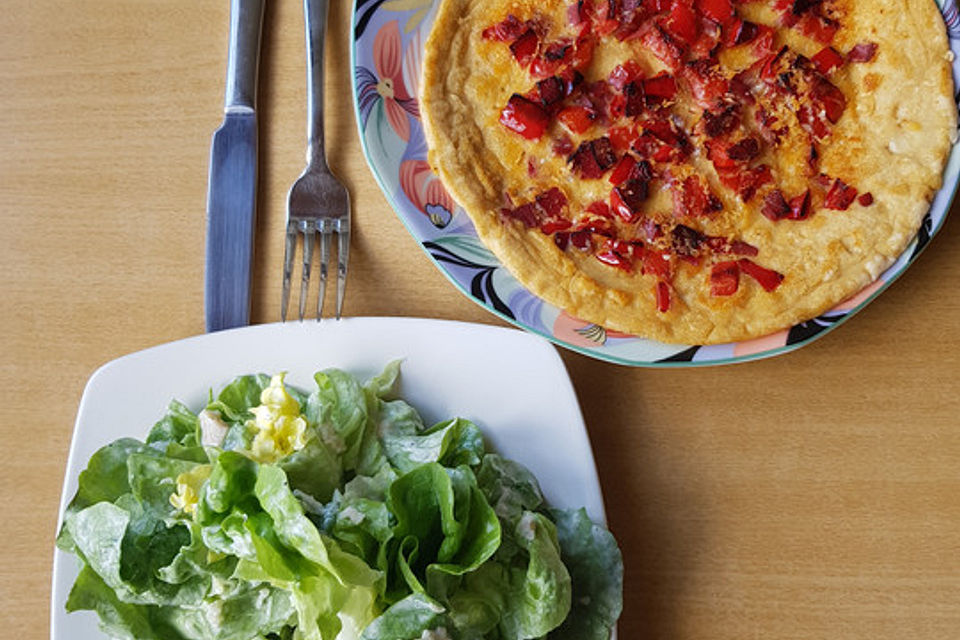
512 384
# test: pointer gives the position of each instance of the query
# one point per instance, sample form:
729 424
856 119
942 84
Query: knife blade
232 195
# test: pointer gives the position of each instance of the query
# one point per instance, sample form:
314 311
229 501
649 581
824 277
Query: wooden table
814 495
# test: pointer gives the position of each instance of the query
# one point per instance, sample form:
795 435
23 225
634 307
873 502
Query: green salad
337 514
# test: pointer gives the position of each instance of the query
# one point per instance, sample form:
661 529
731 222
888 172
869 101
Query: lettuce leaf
378 527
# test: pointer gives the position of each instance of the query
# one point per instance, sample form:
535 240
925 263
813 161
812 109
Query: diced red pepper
577 119
707 84
524 117
551 60
720 11
623 137
681 23
866 199
691 197
829 97
662 45
819 28
623 169
738 31
766 278
725 278
599 209
623 74
663 297
660 87
507 30
555 226
656 262
614 259
800 206
826 60
525 47
749 181
583 52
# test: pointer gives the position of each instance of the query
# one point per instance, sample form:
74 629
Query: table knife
232 195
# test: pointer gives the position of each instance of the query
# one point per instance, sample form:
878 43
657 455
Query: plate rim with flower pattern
386 49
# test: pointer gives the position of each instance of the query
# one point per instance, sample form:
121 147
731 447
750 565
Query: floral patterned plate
388 39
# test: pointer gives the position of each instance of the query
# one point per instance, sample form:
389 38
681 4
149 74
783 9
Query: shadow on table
652 508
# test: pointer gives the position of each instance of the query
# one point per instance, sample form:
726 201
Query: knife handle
243 56
315 19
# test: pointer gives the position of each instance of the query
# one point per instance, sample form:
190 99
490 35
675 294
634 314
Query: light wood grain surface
815 495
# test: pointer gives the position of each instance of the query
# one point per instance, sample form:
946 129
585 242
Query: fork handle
243 56
315 17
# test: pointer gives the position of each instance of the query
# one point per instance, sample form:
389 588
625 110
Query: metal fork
318 202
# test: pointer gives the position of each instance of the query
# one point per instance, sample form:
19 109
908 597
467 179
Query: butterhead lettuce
335 514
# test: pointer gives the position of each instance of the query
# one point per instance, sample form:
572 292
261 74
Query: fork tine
343 256
309 239
326 232
290 247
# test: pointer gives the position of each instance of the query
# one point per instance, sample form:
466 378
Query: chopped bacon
863 52
733 247
563 146
551 90
552 202
775 206
723 122
627 199
593 157
724 278
526 213
686 241
840 196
